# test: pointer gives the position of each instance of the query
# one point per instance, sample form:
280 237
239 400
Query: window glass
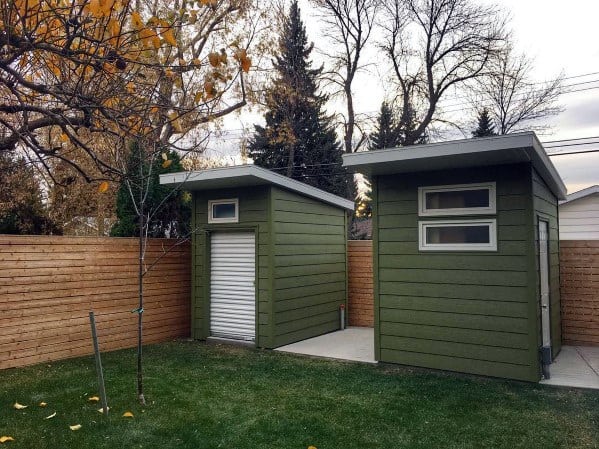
458 234
457 199
224 210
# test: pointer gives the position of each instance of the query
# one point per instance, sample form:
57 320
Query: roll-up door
232 290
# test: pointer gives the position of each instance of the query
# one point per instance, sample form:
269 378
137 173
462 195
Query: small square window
223 211
463 199
458 235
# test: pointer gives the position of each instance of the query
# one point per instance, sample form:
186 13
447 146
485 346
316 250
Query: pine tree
298 140
485 127
386 134
170 217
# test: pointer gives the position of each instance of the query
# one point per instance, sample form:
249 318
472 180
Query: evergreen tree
170 217
299 140
386 134
485 127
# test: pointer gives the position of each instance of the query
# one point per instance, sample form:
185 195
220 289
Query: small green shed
466 255
268 255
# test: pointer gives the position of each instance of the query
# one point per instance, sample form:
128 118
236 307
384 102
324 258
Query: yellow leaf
136 21
165 164
214 59
311 447
169 37
198 97
156 42
64 137
95 398
193 16
246 63
102 188
129 414
19 406
75 427
130 86
51 416
43 404
164 156
4 439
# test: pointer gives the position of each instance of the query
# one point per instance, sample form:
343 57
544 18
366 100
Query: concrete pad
354 343
575 366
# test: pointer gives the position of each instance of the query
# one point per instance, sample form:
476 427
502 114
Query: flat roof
246 176
581 194
476 152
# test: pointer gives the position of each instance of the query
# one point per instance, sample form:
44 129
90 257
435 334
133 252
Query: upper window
223 211
462 199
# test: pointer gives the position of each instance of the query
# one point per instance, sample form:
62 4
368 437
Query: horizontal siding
463 311
310 272
253 215
48 285
579 219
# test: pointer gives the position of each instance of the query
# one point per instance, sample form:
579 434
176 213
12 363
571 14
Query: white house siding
579 219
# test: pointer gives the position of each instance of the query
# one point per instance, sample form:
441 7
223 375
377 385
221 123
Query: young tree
434 46
386 133
298 139
485 127
515 101
347 25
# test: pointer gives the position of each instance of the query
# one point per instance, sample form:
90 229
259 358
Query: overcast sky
562 38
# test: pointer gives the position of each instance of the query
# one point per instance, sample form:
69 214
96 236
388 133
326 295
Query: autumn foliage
72 71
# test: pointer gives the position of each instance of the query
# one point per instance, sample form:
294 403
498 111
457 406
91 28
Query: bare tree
434 46
348 26
513 99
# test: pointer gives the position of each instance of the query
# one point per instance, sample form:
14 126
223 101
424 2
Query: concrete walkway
354 343
575 366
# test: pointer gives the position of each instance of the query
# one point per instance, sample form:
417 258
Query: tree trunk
140 385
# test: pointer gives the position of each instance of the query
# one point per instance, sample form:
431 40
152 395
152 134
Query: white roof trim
516 147
247 175
581 194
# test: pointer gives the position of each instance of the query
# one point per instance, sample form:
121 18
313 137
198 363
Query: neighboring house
268 255
579 215
466 255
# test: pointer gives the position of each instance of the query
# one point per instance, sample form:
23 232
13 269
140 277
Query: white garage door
232 290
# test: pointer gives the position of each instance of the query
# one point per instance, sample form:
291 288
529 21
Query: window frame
489 210
424 246
212 219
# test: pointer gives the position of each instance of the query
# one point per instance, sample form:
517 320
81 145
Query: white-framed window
458 235
459 199
223 211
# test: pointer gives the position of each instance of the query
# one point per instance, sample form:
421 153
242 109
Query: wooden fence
579 276
49 284
360 294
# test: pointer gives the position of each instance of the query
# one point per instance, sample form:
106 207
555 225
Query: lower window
458 235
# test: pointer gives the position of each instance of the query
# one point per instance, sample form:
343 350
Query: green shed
466 255
268 256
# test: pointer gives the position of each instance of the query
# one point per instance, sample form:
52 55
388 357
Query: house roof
497 150
245 176
581 194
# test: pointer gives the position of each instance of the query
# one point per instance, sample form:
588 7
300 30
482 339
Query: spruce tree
386 134
298 140
485 128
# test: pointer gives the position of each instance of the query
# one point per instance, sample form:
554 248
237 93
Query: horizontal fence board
49 284
579 282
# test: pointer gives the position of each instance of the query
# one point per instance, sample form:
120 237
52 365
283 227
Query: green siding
546 208
254 210
309 267
462 311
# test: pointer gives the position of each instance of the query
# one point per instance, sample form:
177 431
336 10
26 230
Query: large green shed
268 255
466 255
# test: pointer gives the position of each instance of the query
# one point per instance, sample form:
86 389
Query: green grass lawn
202 396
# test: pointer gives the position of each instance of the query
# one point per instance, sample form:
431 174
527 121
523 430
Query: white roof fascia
522 142
581 194
262 175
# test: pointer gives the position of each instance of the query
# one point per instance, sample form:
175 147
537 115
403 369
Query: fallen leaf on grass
43 404
93 399
311 447
19 406
75 427
127 415
51 416
101 410
4 439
